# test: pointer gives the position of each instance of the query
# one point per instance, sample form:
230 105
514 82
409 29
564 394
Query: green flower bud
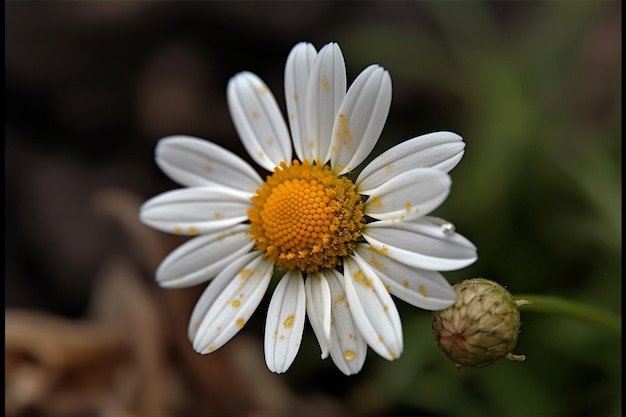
482 325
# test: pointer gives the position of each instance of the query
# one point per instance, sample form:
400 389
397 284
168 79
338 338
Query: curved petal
373 308
419 287
297 70
285 322
348 349
360 119
318 309
411 194
196 162
233 303
440 150
258 120
197 210
421 243
325 91
213 290
201 258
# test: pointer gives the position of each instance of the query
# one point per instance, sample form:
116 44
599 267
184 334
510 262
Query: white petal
285 322
235 302
213 290
411 194
419 287
348 349
440 150
258 120
325 92
297 70
197 210
318 309
360 119
201 258
196 162
373 309
421 243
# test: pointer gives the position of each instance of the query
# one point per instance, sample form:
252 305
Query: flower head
341 245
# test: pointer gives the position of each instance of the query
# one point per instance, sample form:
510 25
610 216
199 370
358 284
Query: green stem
545 303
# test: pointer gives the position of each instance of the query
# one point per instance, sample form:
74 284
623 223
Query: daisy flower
340 246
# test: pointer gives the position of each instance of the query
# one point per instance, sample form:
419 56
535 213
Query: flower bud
482 325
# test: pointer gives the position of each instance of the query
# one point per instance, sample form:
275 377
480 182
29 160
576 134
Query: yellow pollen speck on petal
306 217
408 207
339 299
271 141
343 131
196 324
193 231
375 202
349 355
261 154
325 85
292 116
236 303
422 290
388 167
406 284
177 231
386 308
388 288
380 339
255 114
282 337
211 348
262 88
246 273
218 215
288 321
295 96
360 277
241 322
351 336
208 167
378 264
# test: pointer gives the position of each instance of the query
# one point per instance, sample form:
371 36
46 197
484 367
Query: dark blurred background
533 87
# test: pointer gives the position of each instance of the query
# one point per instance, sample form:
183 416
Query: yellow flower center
305 217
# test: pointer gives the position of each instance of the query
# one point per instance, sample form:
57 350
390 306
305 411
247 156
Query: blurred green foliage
538 192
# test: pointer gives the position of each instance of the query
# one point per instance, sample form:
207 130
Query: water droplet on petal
448 229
